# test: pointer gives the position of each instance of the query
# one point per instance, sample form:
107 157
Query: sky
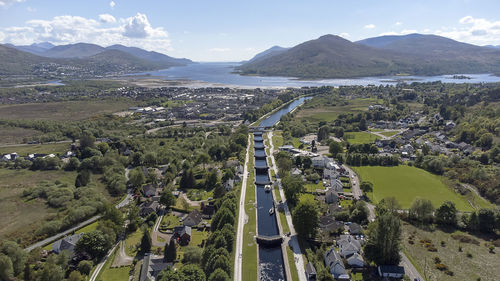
233 30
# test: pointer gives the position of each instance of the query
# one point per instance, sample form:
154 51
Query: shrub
441 267
437 260
449 272
469 255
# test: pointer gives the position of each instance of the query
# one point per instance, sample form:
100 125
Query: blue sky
217 30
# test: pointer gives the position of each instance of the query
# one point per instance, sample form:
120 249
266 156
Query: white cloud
398 23
344 35
7 3
134 31
112 4
388 33
472 30
370 26
31 9
219 50
107 18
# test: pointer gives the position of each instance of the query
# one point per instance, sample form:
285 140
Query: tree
362 125
335 148
447 214
167 199
16 254
360 212
366 186
219 275
219 262
136 177
72 165
486 220
6 269
93 243
85 267
146 242
170 253
187 179
387 205
193 272
305 218
219 191
87 140
211 180
421 210
284 165
384 240
75 276
192 254
150 159
203 158
323 133
83 178
27 272
222 216
170 275
307 162
293 186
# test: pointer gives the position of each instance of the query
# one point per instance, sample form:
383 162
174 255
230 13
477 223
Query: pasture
360 137
318 112
406 183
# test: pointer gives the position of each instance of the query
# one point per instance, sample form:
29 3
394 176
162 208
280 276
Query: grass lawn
482 264
24 150
199 194
284 223
277 139
329 113
311 187
291 262
132 240
198 236
249 253
64 111
170 221
345 204
296 142
389 133
113 274
360 137
406 183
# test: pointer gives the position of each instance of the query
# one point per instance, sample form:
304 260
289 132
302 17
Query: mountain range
19 60
332 56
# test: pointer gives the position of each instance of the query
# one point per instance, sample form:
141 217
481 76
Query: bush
469 255
441 267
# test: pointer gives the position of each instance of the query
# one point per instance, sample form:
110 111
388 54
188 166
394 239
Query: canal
271 262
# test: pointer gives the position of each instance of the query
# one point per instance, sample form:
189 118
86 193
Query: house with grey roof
67 243
334 263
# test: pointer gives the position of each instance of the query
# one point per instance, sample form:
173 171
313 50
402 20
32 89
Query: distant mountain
78 50
35 48
16 62
334 57
151 55
268 53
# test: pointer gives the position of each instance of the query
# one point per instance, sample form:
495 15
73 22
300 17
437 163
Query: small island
460 77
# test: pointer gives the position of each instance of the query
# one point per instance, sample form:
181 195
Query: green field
113 274
26 149
406 183
389 133
318 112
360 137
249 253
311 187
16 135
64 111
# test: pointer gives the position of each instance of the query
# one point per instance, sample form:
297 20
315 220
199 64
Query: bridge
269 241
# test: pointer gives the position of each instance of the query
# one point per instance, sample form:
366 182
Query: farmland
318 112
406 183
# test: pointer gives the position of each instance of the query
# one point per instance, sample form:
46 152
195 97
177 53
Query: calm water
222 73
276 116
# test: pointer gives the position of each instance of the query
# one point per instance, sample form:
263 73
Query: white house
320 162
356 260
334 263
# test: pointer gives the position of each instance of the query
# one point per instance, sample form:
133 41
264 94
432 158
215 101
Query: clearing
318 112
360 137
63 111
406 183
480 265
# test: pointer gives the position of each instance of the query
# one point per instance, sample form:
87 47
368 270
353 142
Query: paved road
293 241
62 234
27 144
410 270
242 220
101 264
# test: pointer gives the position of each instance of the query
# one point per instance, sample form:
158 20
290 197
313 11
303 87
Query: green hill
334 57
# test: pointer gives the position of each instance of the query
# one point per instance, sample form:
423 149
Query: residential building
310 271
67 243
356 260
194 218
334 263
392 271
